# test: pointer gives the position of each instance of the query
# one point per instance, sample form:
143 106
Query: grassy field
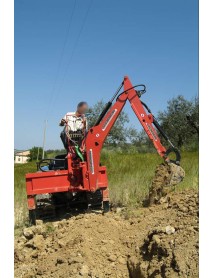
20 191
129 176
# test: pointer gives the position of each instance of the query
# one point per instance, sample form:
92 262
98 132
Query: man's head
82 107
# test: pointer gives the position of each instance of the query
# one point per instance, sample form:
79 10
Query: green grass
129 177
21 211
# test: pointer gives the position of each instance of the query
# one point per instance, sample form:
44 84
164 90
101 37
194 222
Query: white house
21 156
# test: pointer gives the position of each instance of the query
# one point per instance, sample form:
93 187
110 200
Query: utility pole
38 154
44 138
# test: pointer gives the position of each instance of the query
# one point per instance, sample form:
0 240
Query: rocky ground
158 241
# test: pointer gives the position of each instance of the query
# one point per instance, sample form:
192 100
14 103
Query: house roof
20 152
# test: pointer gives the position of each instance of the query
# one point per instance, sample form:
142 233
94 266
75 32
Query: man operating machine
75 126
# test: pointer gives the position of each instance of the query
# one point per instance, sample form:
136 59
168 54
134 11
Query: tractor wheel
94 199
106 206
32 217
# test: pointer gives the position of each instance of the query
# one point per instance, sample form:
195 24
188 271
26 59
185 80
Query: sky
67 51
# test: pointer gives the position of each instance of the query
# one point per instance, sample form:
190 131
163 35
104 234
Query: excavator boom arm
98 133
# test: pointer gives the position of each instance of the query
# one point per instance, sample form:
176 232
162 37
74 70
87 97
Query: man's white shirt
75 122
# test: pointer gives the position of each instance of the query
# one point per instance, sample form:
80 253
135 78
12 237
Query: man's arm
63 121
86 124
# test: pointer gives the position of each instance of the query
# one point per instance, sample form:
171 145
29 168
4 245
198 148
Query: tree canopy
180 120
118 134
36 153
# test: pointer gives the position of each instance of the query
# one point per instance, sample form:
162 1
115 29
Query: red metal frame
97 134
89 175
74 179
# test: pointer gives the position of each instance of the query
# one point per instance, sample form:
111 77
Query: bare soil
157 241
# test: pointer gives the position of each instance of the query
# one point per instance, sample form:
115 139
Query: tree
136 137
36 153
118 133
180 120
193 117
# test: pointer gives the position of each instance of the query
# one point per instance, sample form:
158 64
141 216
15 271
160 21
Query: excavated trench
156 241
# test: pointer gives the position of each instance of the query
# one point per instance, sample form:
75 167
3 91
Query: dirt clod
28 233
170 230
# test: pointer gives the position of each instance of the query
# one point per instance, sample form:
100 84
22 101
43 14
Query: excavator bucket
167 174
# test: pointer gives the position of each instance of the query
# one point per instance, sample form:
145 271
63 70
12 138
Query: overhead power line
73 51
61 57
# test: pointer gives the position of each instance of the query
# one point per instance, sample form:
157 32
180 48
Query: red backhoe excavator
77 179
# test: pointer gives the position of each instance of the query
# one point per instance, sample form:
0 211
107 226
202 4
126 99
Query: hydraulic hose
108 105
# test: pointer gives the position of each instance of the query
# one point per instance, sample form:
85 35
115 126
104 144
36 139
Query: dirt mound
172 250
166 175
160 241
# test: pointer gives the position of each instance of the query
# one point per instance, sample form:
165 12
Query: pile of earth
157 241
166 176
